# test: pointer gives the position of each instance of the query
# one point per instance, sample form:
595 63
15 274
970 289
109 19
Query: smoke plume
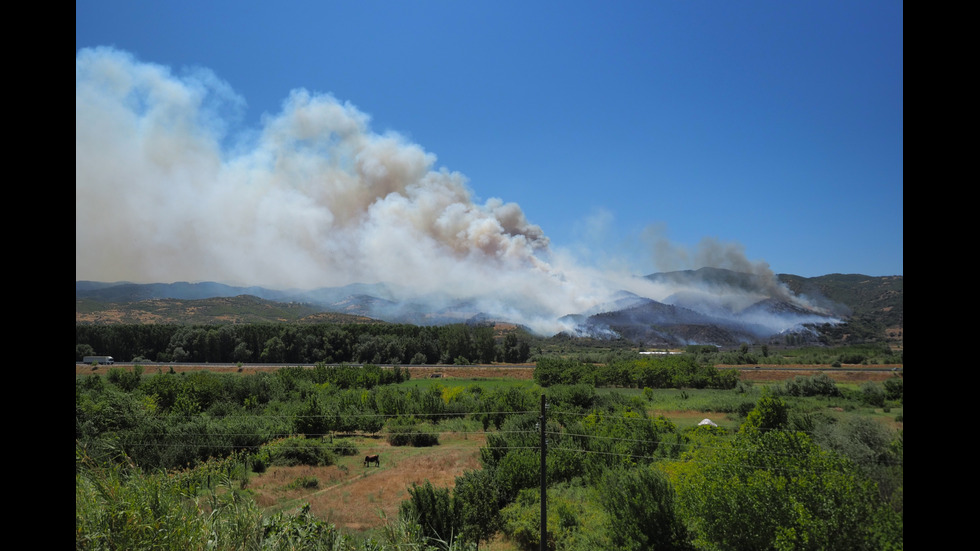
313 198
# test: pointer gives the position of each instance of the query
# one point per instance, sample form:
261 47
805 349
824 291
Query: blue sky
774 128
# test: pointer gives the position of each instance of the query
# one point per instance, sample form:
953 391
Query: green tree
433 510
484 345
241 353
477 499
641 510
455 343
777 489
274 351
312 418
770 413
82 350
894 388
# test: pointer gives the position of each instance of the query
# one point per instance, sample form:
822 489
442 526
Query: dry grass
777 373
355 497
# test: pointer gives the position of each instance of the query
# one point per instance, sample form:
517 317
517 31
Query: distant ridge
205 311
872 308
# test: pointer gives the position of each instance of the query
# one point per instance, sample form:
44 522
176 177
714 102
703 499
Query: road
760 373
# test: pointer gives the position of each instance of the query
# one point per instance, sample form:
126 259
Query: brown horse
376 459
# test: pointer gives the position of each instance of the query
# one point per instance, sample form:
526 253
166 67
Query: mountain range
706 306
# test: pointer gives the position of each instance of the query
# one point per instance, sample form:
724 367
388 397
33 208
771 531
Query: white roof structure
707 422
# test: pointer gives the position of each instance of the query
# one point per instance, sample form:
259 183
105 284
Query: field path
361 498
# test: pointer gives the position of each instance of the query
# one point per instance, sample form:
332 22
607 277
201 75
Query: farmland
172 415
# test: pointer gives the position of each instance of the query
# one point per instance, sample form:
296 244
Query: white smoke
311 199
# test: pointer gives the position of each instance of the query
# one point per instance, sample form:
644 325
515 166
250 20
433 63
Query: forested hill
874 305
880 297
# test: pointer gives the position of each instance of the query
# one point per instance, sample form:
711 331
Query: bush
817 385
895 388
345 448
641 509
294 450
306 482
411 433
575 521
744 408
124 379
873 394
434 512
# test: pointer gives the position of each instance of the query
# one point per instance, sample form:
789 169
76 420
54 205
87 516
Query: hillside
875 305
239 309
876 297
833 309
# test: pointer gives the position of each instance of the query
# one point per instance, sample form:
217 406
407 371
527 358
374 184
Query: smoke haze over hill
314 198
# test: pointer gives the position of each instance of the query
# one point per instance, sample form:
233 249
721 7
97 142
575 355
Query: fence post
544 481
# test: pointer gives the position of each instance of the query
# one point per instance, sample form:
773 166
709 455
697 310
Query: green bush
345 448
305 482
575 521
817 385
434 511
124 379
873 394
402 432
295 450
895 388
640 503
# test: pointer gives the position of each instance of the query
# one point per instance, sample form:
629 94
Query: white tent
708 422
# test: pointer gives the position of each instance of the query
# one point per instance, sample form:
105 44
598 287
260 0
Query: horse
376 459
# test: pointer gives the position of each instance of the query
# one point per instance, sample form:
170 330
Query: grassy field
360 498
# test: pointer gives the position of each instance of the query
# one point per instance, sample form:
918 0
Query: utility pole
544 481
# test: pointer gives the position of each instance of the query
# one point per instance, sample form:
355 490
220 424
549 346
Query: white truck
101 360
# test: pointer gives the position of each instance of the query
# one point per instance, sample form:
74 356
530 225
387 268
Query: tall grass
120 507
117 506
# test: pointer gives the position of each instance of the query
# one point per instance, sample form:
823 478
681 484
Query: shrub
307 482
345 448
294 450
402 432
895 388
744 408
873 394
817 385
434 512
641 509
124 379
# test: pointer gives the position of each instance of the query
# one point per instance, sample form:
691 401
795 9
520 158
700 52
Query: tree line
303 344
683 371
